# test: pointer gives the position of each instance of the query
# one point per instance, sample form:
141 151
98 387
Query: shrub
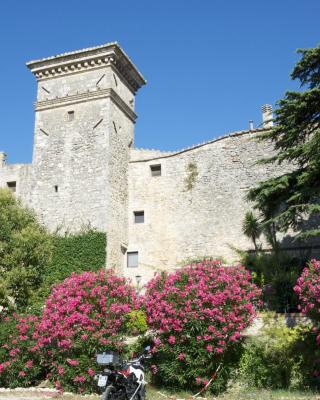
85 314
19 360
136 322
308 290
276 274
25 248
280 357
71 253
198 313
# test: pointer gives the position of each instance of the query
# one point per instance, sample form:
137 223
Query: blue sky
210 64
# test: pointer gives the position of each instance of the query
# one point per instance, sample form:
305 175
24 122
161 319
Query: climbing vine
192 171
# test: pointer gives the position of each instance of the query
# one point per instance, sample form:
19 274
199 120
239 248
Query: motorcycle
122 380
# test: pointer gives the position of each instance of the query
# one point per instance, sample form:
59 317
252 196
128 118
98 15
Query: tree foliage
25 248
251 227
291 198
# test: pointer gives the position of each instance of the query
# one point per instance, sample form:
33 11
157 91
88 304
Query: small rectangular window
155 170
70 115
138 217
132 259
56 188
12 186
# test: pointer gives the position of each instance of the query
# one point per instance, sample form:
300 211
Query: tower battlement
98 57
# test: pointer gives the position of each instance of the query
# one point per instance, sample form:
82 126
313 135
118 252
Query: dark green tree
292 198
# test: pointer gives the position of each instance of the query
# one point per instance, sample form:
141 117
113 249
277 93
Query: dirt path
40 394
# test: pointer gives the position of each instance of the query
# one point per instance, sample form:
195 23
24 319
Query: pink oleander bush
20 363
308 291
85 314
197 314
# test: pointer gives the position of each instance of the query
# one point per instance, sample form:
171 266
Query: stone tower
84 128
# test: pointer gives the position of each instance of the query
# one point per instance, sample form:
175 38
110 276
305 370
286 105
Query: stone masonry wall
121 138
73 169
22 175
70 166
205 220
85 171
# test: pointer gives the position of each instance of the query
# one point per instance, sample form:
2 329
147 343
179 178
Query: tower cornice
87 96
109 54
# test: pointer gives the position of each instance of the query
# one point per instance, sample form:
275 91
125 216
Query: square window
132 258
138 217
12 186
155 170
70 115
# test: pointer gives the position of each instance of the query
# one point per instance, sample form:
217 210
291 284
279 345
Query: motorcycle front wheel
142 394
109 393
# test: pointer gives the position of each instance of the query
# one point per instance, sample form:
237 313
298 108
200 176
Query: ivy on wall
84 251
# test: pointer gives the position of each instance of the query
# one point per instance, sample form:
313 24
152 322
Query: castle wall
145 154
22 175
205 220
121 138
70 166
85 171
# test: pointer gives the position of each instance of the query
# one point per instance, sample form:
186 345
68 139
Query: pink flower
73 363
22 374
60 370
29 364
209 348
219 350
157 341
181 356
91 372
103 341
79 378
172 340
154 369
14 352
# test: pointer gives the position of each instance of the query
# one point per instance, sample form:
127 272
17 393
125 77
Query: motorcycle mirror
147 349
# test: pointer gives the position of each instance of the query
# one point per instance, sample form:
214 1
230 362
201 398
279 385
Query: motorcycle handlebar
142 357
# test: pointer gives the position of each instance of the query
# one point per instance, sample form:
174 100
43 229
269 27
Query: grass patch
160 394
236 394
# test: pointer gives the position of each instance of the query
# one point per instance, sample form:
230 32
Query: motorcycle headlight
107 371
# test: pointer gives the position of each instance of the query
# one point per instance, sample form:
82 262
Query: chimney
3 157
250 125
267 116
